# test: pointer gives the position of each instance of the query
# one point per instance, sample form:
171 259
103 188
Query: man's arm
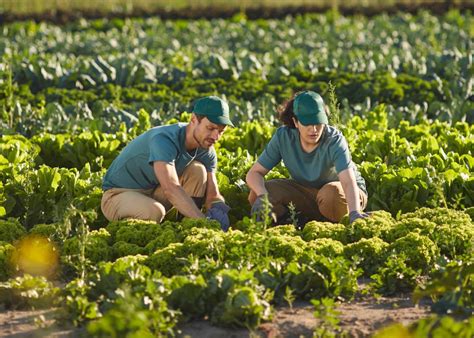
212 190
349 185
255 179
174 192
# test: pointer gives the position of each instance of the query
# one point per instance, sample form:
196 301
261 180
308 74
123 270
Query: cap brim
220 120
313 119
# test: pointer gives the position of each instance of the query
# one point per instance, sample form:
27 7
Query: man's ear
193 118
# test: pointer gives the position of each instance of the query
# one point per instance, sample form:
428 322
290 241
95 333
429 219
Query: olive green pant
327 203
151 204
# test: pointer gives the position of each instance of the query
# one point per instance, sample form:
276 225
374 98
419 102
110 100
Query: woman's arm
351 190
255 179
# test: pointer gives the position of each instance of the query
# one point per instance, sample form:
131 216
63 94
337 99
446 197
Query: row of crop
421 44
137 74
103 107
93 75
406 167
192 269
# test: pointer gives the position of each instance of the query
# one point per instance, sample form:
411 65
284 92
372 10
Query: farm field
62 11
399 88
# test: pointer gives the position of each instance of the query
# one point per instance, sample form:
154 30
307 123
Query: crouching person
325 184
170 166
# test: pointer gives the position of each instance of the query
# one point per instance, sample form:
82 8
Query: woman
325 184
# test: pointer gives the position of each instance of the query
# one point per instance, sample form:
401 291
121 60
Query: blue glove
354 215
258 207
218 211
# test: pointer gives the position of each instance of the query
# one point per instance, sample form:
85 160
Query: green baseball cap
309 108
214 108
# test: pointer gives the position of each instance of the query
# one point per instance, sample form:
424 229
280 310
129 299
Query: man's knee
153 212
156 212
198 171
131 205
108 207
332 202
194 179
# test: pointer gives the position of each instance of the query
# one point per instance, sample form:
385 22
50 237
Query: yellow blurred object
36 255
396 330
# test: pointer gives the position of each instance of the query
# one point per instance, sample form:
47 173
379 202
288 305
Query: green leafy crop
97 248
11 230
403 227
315 230
369 253
169 261
27 292
243 307
287 247
379 224
326 247
420 251
453 231
6 266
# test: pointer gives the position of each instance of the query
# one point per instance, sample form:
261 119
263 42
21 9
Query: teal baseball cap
309 108
214 108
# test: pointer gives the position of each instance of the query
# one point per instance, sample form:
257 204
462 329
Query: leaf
450 175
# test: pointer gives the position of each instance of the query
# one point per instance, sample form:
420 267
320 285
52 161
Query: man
170 166
325 184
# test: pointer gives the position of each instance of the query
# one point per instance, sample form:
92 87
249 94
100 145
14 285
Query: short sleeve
162 149
209 159
341 154
271 155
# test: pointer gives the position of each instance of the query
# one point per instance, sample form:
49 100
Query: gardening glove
354 215
258 208
218 211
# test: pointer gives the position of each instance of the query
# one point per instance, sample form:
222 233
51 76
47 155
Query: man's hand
218 211
354 215
258 208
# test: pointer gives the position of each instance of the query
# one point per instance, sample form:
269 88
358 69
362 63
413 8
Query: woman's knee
332 201
270 186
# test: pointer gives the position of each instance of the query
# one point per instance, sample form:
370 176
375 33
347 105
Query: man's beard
198 142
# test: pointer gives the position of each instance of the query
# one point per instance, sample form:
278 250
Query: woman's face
310 134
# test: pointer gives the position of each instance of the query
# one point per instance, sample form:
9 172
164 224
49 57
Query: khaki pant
327 203
149 204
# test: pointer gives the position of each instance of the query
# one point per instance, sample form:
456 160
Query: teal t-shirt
133 167
313 169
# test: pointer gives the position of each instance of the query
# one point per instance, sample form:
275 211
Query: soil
360 318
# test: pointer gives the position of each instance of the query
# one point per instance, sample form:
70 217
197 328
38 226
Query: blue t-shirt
313 169
133 167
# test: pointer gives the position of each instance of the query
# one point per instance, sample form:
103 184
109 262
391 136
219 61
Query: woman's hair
286 113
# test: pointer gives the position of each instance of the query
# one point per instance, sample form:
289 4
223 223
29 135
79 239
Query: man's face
206 133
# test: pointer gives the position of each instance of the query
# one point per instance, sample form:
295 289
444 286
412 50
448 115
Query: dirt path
360 318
